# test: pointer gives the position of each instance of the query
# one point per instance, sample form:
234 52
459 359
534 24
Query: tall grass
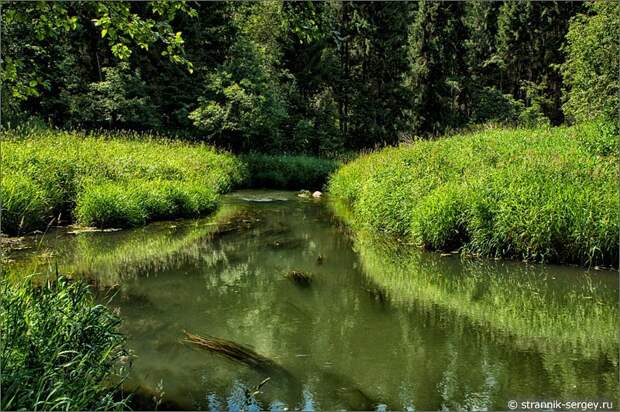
59 350
117 180
548 194
288 171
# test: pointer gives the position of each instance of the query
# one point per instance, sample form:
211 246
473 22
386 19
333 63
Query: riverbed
371 325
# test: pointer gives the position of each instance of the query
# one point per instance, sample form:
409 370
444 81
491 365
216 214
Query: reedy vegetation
545 194
288 171
128 179
108 180
58 349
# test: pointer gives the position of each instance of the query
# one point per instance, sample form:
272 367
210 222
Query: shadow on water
376 328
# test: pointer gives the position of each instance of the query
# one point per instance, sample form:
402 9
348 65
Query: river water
374 327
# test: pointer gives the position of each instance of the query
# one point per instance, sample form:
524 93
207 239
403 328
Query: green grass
548 194
288 171
58 349
117 180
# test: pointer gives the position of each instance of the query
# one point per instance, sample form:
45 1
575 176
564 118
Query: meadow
545 194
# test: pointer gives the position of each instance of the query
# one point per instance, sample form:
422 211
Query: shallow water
374 326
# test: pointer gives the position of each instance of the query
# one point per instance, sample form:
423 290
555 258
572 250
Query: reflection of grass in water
109 258
522 302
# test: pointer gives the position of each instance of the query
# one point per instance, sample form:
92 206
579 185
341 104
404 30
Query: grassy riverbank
545 194
128 179
118 180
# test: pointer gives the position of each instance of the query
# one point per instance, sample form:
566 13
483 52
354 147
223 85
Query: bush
546 194
123 179
59 350
287 171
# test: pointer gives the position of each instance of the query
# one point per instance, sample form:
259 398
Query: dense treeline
312 77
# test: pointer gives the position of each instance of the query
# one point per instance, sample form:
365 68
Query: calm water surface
375 326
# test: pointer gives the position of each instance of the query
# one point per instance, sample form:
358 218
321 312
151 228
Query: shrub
59 350
545 194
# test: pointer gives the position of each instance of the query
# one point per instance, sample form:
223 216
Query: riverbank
108 180
127 179
547 194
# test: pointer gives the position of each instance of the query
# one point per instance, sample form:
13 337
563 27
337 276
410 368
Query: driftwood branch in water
256 389
232 351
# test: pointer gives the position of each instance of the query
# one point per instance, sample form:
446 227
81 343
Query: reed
58 349
108 180
547 194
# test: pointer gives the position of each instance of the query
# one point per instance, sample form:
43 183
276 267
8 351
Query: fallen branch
232 351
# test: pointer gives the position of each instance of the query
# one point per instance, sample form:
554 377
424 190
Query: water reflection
377 328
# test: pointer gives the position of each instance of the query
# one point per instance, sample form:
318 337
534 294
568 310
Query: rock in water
317 194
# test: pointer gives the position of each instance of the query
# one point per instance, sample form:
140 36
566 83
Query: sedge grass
58 349
548 194
114 180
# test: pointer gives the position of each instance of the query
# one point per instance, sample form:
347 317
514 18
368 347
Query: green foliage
115 180
119 101
541 194
491 105
28 29
58 349
591 67
245 104
317 78
288 172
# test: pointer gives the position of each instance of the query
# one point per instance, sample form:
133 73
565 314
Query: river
369 326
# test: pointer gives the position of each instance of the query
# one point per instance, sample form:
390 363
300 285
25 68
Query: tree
29 27
438 73
244 105
117 101
591 68
529 40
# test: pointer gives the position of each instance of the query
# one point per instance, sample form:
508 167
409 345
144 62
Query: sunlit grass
58 349
116 180
545 194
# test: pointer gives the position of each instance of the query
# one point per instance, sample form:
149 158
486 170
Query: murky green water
374 326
